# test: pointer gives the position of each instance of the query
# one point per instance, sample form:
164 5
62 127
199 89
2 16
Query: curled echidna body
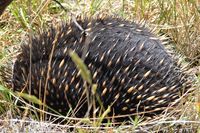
130 66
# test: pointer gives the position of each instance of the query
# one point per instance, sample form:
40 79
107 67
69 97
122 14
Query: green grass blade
85 73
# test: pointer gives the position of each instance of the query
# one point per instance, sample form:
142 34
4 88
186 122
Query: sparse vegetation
178 20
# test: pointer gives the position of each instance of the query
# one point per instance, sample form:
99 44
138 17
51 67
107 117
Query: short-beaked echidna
129 64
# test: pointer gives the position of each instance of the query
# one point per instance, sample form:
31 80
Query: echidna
129 64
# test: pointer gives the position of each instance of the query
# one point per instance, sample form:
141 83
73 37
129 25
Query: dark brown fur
4 4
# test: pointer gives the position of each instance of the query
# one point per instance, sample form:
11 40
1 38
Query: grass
177 19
